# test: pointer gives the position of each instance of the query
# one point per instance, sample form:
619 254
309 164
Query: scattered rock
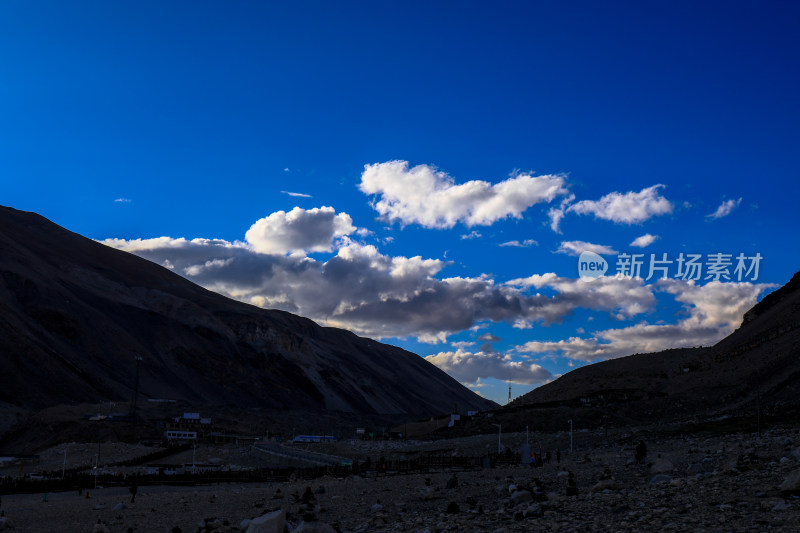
695 468
660 478
521 496
100 527
534 511
782 506
604 484
427 493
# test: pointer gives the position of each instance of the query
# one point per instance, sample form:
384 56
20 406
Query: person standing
134 489
641 452
572 486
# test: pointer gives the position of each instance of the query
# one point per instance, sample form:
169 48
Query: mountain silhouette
76 315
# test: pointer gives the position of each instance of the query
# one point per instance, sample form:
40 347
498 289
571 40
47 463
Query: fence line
382 467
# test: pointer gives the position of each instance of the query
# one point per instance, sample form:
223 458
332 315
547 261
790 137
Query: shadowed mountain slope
75 315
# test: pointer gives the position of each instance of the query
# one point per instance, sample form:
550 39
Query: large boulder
273 522
661 466
792 482
521 496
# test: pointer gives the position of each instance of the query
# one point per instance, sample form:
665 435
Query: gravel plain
736 482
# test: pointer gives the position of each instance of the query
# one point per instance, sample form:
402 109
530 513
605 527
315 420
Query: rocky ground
690 483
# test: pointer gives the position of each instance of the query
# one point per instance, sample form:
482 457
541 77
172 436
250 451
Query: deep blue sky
188 119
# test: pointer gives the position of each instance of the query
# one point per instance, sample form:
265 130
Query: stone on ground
273 522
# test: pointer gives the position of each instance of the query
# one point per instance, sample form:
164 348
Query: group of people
543 459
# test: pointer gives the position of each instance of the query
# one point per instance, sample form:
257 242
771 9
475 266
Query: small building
177 435
187 424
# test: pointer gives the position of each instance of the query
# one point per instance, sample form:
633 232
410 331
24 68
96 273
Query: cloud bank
714 311
382 296
378 295
472 367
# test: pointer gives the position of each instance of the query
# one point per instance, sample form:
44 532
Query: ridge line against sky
423 173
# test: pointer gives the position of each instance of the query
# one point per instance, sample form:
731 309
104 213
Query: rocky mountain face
759 363
75 315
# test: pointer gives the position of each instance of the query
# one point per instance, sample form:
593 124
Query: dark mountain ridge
75 315
757 363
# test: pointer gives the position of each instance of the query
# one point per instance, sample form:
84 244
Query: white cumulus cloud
626 208
429 197
299 230
644 240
